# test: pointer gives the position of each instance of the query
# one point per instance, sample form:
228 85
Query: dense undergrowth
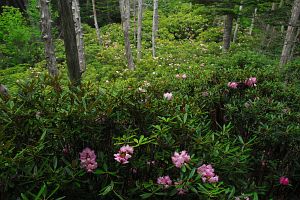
250 135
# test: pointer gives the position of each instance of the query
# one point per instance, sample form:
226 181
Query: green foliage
16 39
247 134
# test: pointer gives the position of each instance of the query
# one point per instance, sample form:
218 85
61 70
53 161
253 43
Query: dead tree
47 37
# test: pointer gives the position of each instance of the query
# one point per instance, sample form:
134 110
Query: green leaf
255 196
107 189
42 190
185 118
119 196
24 197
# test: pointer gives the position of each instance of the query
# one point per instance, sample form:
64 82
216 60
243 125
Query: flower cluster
124 154
168 96
207 173
165 181
180 159
232 85
183 76
88 160
284 180
250 82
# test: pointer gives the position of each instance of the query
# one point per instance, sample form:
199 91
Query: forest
149 99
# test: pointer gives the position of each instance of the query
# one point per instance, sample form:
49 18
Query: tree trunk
294 44
154 27
253 21
47 37
290 34
68 27
237 23
134 22
125 16
79 34
227 31
139 33
280 6
96 23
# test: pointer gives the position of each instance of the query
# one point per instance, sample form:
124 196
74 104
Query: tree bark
280 6
294 44
68 27
154 27
96 23
125 16
227 31
253 21
134 22
237 23
139 32
47 37
290 34
79 34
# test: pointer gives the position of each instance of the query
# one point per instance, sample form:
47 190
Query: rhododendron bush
221 126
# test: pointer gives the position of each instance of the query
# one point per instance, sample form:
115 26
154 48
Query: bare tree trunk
227 31
253 21
237 23
79 34
68 27
294 44
96 23
134 22
139 33
154 27
280 6
47 37
290 34
125 16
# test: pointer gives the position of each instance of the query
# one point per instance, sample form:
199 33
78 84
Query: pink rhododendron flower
126 149
284 180
168 96
232 85
88 160
122 157
124 154
207 173
165 181
251 81
180 159
184 76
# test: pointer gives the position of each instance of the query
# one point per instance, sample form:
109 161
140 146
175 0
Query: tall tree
68 27
139 32
125 17
227 29
253 21
96 23
79 34
237 23
154 27
134 22
290 33
47 37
